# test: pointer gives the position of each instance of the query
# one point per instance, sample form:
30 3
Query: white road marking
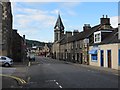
60 86
50 80
57 83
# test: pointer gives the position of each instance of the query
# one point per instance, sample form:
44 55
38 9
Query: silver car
6 61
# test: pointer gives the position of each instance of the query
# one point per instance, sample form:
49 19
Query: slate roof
59 23
111 38
81 35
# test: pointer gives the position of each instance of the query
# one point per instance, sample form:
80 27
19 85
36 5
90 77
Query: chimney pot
105 21
106 16
75 32
103 16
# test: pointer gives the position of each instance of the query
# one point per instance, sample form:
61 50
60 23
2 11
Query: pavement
101 69
15 76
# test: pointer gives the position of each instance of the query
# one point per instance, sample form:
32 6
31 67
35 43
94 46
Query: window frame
94 57
3 58
97 37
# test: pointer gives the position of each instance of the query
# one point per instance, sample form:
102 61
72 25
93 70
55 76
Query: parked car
32 57
6 61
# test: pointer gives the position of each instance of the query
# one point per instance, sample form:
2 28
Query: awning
93 52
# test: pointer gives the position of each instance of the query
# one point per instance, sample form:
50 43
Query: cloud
33 22
68 7
114 21
56 11
33 15
69 4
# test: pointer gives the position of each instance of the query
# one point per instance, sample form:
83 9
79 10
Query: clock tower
58 29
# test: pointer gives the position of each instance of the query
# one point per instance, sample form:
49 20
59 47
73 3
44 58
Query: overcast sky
37 19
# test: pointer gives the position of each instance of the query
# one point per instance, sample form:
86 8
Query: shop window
94 57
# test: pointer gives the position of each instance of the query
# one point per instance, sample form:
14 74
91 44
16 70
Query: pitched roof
59 23
111 38
81 35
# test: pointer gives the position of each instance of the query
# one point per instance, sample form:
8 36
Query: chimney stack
86 27
105 21
68 34
75 32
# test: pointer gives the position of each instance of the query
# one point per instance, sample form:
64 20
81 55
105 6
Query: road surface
49 73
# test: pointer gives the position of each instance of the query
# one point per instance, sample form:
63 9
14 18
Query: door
119 57
81 58
102 57
77 57
109 58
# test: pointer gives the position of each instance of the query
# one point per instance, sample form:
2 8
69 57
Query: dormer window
97 37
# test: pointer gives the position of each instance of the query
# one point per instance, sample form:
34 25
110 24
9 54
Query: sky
36 20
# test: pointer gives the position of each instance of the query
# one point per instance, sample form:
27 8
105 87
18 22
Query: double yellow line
16 78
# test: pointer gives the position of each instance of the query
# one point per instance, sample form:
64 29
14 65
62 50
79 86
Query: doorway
102 57
81 56
109 58
119 57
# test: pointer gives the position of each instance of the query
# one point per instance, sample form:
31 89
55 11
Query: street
49 73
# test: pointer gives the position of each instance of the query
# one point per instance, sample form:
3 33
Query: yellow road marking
17 78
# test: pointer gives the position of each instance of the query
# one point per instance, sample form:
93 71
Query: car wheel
7 65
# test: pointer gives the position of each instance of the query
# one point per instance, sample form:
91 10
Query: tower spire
59 23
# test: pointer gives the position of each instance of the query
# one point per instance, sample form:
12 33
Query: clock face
57 27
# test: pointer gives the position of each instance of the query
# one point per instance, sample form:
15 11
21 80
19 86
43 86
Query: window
97 37
3 58
94 57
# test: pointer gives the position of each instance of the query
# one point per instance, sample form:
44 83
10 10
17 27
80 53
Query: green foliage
31 43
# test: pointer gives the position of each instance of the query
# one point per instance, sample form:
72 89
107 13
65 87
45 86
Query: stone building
0 28
58 35
18 47
6 30
74 46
